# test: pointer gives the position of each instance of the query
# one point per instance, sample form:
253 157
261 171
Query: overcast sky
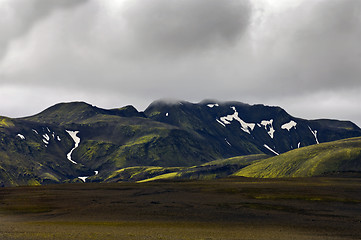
302 55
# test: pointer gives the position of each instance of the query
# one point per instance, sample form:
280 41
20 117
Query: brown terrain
232 208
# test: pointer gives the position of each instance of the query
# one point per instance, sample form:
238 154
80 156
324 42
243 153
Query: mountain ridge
166 134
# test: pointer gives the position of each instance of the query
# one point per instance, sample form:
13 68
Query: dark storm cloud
19 16
179 26
292 53
314 46
134 47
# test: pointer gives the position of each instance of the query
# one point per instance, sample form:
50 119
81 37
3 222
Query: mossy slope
211 170
32 154
338 157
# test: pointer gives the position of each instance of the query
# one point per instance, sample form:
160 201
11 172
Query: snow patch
58 138
268 125
96 173
227 142
46 136
167 114
83 178
46 139
266 146
246 127
212 105
21 136
221 123
76 139
289 125
299 145
35 131
48 129
314 134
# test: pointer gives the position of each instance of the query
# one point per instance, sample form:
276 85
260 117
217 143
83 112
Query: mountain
73 142
235 128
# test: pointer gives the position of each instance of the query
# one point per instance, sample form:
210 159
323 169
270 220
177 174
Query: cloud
261 51
127 46
312 47
19 16
341 104
180 26
29 100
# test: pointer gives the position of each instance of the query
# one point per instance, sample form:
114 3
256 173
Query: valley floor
234 208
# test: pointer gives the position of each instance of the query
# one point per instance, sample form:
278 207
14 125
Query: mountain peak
68 106
127 111
167 102
71 112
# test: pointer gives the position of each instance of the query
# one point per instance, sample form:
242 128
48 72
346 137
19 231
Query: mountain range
75 142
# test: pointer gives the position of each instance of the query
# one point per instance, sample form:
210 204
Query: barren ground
235 208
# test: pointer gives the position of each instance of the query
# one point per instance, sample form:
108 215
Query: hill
340 157
207 171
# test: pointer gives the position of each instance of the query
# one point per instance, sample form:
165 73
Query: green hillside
32 154
211 170
338 157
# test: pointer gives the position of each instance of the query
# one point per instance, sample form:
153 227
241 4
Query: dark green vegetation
30 161
178 140
231 208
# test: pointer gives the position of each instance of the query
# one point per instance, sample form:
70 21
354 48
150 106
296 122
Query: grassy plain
232 208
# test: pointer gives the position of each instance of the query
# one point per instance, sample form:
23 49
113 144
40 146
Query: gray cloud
314 46
19 16
111 51
181 26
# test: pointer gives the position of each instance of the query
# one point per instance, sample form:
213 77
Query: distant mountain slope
338 157
238 128
79 142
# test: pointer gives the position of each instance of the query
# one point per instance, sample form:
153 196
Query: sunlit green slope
338 157
211 170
